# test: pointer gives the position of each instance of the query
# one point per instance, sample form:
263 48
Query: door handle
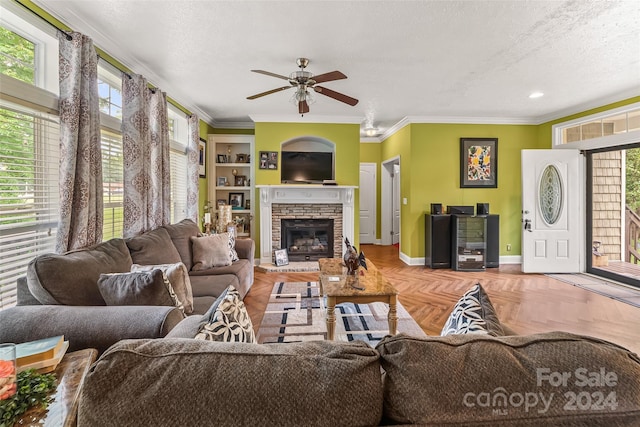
527 225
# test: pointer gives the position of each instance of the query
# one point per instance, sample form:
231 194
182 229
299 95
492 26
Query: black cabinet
439 237
437 244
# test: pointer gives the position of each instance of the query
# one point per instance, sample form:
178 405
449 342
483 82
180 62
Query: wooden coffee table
364 288
63 409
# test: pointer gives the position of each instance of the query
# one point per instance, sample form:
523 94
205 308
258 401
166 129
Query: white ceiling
448 61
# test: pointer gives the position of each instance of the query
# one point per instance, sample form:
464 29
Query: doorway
390 202
613 215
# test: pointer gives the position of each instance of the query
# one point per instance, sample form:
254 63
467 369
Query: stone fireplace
304 204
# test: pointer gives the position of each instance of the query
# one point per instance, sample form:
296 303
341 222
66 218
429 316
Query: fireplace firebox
307 239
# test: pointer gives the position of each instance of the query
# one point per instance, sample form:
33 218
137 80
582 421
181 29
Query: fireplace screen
307 239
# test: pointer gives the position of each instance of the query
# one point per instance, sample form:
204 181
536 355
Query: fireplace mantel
303 194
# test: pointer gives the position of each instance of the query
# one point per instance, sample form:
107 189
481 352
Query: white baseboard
510 259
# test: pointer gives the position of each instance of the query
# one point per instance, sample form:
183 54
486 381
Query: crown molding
288 118
586 106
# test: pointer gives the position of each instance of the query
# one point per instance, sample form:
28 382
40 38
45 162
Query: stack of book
42 355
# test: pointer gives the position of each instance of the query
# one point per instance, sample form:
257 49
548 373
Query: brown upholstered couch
554 379
60 295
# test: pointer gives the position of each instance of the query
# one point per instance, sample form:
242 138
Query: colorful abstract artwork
478 162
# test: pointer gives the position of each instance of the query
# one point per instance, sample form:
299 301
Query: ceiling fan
303 81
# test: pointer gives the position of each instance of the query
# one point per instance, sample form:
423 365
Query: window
615 126
110 91
17 57
29 200
179 134
29 149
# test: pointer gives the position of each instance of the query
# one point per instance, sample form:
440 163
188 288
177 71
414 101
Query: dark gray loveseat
60 295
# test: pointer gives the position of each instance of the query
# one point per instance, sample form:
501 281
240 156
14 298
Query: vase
8 371
224 217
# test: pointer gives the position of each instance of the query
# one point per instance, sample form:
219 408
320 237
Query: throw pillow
180 234
232 245
153 247
178 278
473 314
210 251
139 288
227 320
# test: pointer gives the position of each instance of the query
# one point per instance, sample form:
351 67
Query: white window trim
15 18
601 142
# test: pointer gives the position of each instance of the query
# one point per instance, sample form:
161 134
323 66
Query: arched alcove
307 160
309 143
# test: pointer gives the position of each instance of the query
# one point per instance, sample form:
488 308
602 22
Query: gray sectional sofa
456 380
60 295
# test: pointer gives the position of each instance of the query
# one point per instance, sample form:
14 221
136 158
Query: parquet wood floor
527 303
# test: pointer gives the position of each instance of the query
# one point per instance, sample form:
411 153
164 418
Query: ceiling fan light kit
303 81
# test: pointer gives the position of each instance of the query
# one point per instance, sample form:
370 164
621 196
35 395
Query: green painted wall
435 161
270 136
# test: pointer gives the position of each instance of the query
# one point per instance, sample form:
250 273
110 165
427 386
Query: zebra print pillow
227 320
473 314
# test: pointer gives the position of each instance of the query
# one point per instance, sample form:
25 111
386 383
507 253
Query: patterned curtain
81 203
193 178
145 141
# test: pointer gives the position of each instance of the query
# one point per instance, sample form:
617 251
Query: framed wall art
268 160
479 162
202 158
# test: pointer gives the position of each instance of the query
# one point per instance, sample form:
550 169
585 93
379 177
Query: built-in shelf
231 147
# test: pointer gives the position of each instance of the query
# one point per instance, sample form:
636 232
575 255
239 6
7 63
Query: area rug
296 312
601 286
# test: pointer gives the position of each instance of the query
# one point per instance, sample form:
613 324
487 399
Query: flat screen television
302 167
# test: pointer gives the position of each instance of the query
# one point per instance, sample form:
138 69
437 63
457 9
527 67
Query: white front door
367 190
396 204
552 211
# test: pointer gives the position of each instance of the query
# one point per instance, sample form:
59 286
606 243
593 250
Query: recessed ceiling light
535 95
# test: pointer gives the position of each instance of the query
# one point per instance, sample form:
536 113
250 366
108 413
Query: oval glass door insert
551 194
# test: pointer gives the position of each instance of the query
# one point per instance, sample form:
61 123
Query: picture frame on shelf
268 160
239 180
281 257
222 158
241 158
202 158
478 162
236 200
222 181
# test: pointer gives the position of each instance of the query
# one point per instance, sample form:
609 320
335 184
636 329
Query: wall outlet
404 200
508 247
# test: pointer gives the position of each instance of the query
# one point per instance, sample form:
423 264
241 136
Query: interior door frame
589 219
386 194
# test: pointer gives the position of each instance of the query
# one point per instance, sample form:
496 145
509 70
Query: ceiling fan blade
268 73
269 92
327 77
336 95
303 107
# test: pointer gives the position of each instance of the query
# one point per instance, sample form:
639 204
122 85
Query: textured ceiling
429 60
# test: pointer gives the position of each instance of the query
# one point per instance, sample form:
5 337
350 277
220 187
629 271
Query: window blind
178 167
113 185
29 195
